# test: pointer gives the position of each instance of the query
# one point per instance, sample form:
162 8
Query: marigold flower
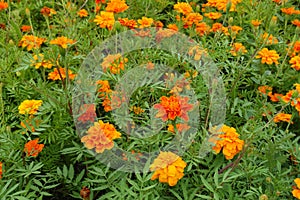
173 27
222 4
295 62
288 96
82 13
202 28
275 97
228 141
25 28
256 22
3 5
290 11
283 117
216 27
1 170
38 61
61 74
105 20
116 6
213 15
100 136
32 148
296 190
172 107
168 168
179 127
48 12
264 89
114 62
296 22
164 33
104 87
191 18
183 8
145 22
29 106
87 113
238 48
158 24
130 23
268 56
113 100
62 41
31 42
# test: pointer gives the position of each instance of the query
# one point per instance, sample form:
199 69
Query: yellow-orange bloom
105 20
275 97
283 117
296 190
174 27
31 42
268 56
61 74
216 27
183 8
264 89
1 170
82 13
255 22
32 148
296 22
222 4
202 28
3 5
104 87
62 41
29 106
228 141
100 136
168 168
38 61
295 62
213 15
238 48
145 22
191 18
116 6
137 110
290 11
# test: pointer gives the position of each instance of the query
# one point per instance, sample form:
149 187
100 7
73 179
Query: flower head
105 20
238 48
295 62
115 63
25 28
130 23
87 113
283 117
268 56
62 41
213 15
168 168
3 5
48 12
116 6
29 106
255 23
38 61
145 22
32 148
82 13
31 42
61 74
296 22
183 8
296 190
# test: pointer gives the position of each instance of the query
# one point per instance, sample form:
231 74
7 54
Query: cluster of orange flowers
168 168
100 136
115 63
61 74
296 189
228 141
295 56
222 4
268 56
174 106
32 148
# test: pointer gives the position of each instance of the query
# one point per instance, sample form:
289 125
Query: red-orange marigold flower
172 107
216 27
3 5
255 22
32 148
264 89
25 28
238 48
202 28
290 11
1 170
268 56
116 6
168 168
130 23
296 22
47 11
179 127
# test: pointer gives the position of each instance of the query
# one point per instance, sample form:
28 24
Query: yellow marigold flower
1 170
38 61
48 12
62 41
100 136
296 22
130 23
270 39
295 62
82 13
31 42
116 6
283 117
213 15
256 22
168 168
29 106
105 20
238 48
32 148
183 8
3 5
268 56
145 22
228 141
61 74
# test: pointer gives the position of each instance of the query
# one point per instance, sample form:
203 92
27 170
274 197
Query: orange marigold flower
38 61
48 12
256 22
173 27
105 20
172 107
3 5
29 106
295 62
116 6
265 90
234 30
168 168
213 15
268 56
1 170
130 23
228 141
25 28
158 24
283 117
296 22
270 39
179 127
145 22
100 136
216 27
238 48
191 18
32 148
62 41
31 42
61 74
288 96
290 11
275 97
183 8
82 13
104 87
114 62
202 28
222 4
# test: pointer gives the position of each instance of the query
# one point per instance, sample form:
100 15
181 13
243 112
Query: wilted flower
47 11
